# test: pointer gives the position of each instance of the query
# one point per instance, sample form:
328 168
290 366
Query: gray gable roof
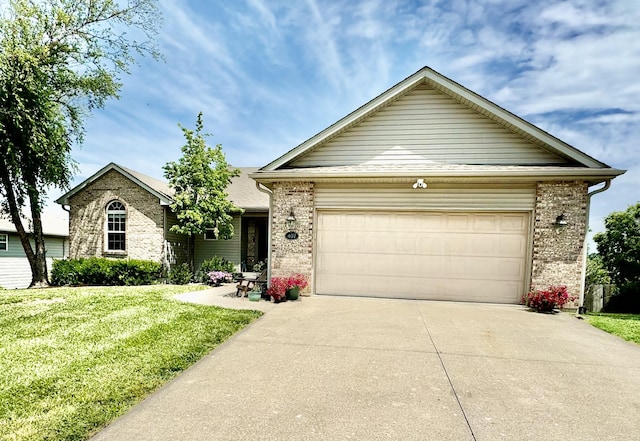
154 186
242 190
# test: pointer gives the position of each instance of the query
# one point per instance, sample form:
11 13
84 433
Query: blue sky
270 74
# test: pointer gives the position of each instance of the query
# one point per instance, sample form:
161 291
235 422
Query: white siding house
15 271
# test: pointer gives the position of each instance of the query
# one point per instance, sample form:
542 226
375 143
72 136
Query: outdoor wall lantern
420 184
560 221
291 220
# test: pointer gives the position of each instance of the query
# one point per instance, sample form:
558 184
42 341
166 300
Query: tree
200 178
59 59
596 273
619 245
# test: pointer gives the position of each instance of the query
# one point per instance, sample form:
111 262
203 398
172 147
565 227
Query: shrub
216 263
548 299
277 288
279 285
101 271
216 278
180 274
260 266
65 272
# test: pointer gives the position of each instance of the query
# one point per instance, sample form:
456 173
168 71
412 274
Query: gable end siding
426 126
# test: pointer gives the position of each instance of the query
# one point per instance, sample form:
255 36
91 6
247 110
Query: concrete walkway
224 296
330 368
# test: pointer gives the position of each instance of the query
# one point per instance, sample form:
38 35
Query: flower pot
293 293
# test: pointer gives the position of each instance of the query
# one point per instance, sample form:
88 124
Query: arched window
116 226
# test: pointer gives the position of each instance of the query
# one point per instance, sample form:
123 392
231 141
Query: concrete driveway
330 368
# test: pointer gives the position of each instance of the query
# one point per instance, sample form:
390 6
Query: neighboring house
430 191
120 213
15 271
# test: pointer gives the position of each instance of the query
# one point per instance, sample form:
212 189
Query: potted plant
287 288
217 278
277 289
295 283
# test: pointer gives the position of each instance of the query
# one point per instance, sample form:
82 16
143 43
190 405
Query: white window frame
123 223
4 240
210 230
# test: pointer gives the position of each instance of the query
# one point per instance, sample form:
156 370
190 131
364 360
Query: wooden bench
247 285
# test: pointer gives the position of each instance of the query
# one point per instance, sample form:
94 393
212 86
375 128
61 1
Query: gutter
593 176
264 189
606 186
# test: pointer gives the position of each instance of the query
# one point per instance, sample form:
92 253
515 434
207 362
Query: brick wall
557 251
144 238
292 256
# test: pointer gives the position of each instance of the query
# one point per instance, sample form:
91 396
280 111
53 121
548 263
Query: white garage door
478 257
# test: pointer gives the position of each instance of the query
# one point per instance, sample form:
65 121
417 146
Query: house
430 191
15 271
121 213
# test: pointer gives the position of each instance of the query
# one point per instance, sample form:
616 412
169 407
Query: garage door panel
417 287
447 256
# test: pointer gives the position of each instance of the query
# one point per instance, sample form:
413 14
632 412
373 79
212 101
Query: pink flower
547 300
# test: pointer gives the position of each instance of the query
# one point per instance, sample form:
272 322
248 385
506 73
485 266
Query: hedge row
100 271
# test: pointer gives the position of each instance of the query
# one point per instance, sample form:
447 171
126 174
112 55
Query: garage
431 191
459 256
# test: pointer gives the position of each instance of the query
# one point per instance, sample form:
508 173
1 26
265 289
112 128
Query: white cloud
270 74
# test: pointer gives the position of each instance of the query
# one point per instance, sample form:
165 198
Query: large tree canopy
619 245
58 60
200 178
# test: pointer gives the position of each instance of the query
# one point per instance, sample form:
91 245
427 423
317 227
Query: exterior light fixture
560 221
420 184
291 220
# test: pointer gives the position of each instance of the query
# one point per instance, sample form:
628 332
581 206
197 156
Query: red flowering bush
279 285
545 300
297 280
277 288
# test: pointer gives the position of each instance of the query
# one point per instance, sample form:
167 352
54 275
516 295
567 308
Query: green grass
73 359
626 326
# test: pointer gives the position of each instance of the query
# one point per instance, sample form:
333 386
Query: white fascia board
583 174
64 199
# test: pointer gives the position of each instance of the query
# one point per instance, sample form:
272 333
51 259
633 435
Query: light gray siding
56 247
425 127
175 245
15 271
434 197
229 249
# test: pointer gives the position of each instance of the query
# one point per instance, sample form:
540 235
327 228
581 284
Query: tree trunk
39 273
37 260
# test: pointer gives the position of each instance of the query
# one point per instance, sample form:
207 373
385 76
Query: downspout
607 184
264 189
67 208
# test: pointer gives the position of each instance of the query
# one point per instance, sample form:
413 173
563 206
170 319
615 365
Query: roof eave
64 199
584 174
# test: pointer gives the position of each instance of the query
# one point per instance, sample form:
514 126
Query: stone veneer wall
87 219
557 251
292 256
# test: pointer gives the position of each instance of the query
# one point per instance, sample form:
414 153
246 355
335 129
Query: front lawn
626 326
73 359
